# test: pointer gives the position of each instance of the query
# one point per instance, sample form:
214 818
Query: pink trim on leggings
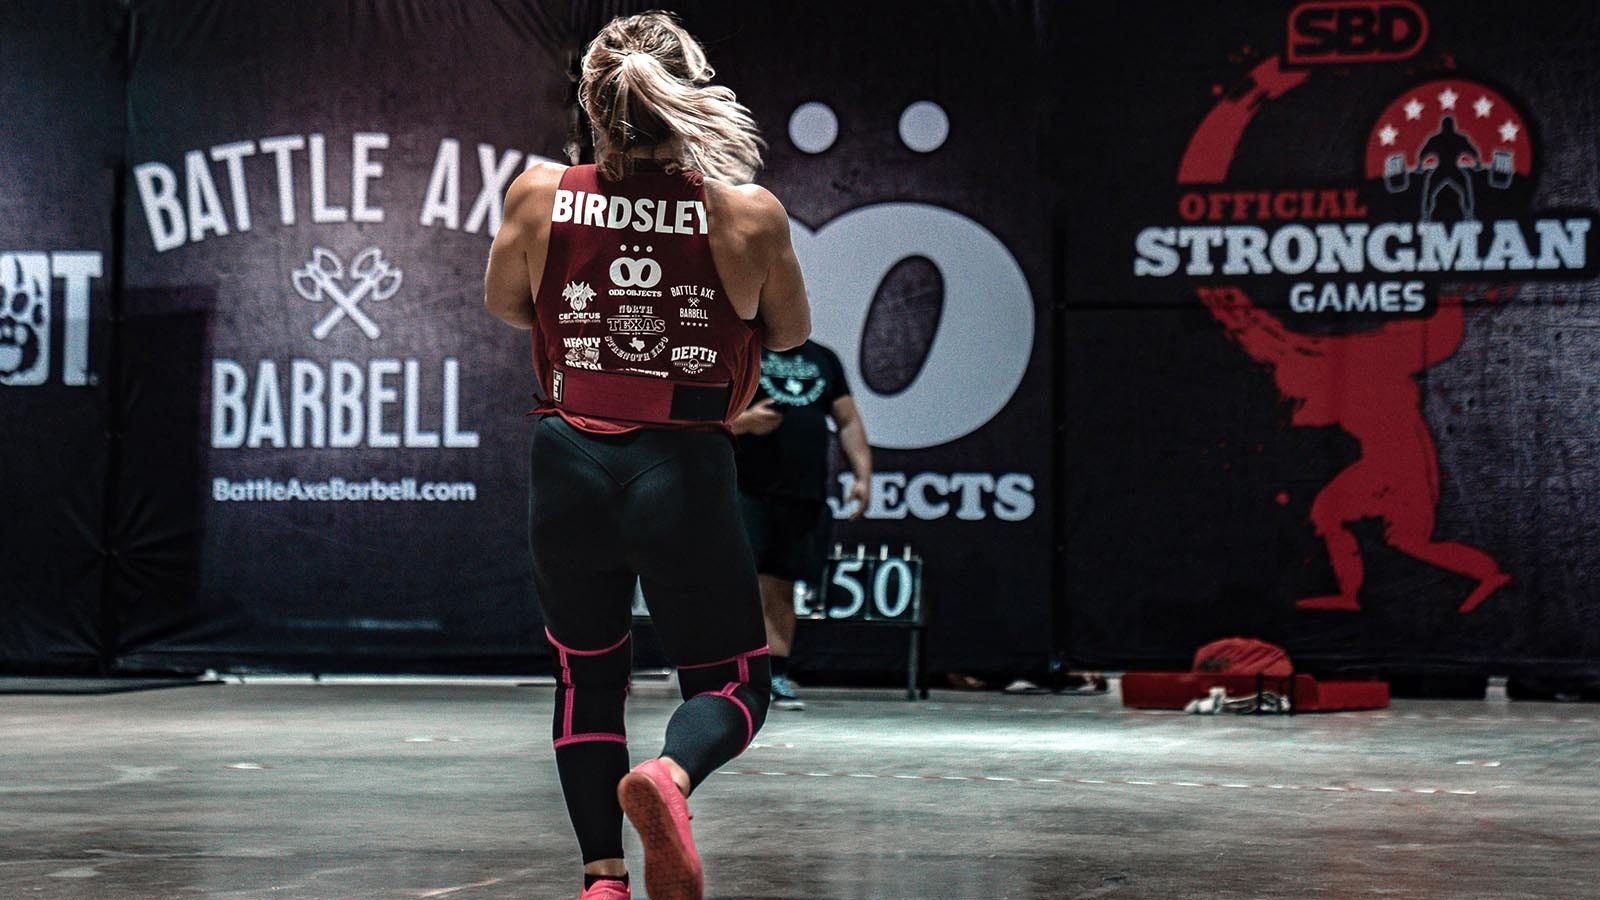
743 659
564 648
591 737
566 680
727 693
562 652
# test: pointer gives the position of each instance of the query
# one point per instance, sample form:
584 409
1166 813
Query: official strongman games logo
1424 225
1442 161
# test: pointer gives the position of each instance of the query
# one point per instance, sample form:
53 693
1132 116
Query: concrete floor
419 791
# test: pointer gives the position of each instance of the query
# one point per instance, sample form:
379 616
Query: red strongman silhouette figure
1363 383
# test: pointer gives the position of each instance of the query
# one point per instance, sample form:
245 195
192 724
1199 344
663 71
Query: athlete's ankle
606 868
680 776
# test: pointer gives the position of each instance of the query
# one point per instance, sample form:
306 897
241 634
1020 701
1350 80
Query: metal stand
881 589
916 664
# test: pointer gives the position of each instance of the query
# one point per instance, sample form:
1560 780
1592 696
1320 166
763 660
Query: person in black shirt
783 472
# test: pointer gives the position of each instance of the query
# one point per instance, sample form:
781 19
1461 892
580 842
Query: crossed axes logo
320 279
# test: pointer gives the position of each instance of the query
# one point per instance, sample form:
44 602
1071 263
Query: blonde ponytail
645 81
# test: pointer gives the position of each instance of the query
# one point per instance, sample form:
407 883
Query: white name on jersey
620 213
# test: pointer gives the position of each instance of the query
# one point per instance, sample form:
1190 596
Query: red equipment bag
1242 656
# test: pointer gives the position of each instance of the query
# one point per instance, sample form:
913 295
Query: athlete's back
749 242
631 480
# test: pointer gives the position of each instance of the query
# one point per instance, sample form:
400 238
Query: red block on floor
1174 690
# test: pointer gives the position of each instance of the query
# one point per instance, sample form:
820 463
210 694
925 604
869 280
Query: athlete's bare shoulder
532 194
750 237
748 207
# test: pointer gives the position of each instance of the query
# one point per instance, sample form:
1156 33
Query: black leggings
659 506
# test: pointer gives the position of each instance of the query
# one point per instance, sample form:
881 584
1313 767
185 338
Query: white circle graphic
924 126
813 127
986 327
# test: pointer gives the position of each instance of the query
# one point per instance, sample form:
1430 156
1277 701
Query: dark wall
1104 443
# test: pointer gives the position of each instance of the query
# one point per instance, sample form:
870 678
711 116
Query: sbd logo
1346 31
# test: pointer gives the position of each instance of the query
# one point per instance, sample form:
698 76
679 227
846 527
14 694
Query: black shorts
788 534
657 505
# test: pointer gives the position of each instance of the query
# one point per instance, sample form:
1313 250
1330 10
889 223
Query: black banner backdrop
325 449
922 212
61 89
1325 353
322 417
1331 335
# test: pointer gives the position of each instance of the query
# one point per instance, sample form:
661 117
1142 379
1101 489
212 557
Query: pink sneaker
607 889
660 813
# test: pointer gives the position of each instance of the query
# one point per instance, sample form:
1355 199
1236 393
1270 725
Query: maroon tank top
634 328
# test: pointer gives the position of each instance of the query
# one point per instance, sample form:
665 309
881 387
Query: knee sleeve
745 681
590 742
591 689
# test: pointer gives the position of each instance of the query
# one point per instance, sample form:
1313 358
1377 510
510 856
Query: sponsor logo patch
582 352
578 295
636 349
633 318
694 360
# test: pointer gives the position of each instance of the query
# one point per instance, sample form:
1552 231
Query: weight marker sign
880 589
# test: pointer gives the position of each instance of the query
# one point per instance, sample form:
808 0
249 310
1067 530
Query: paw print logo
24 318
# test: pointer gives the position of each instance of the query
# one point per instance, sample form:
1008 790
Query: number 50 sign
862 588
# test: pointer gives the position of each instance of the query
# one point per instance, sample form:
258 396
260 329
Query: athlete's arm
516 259
784 310
857 452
